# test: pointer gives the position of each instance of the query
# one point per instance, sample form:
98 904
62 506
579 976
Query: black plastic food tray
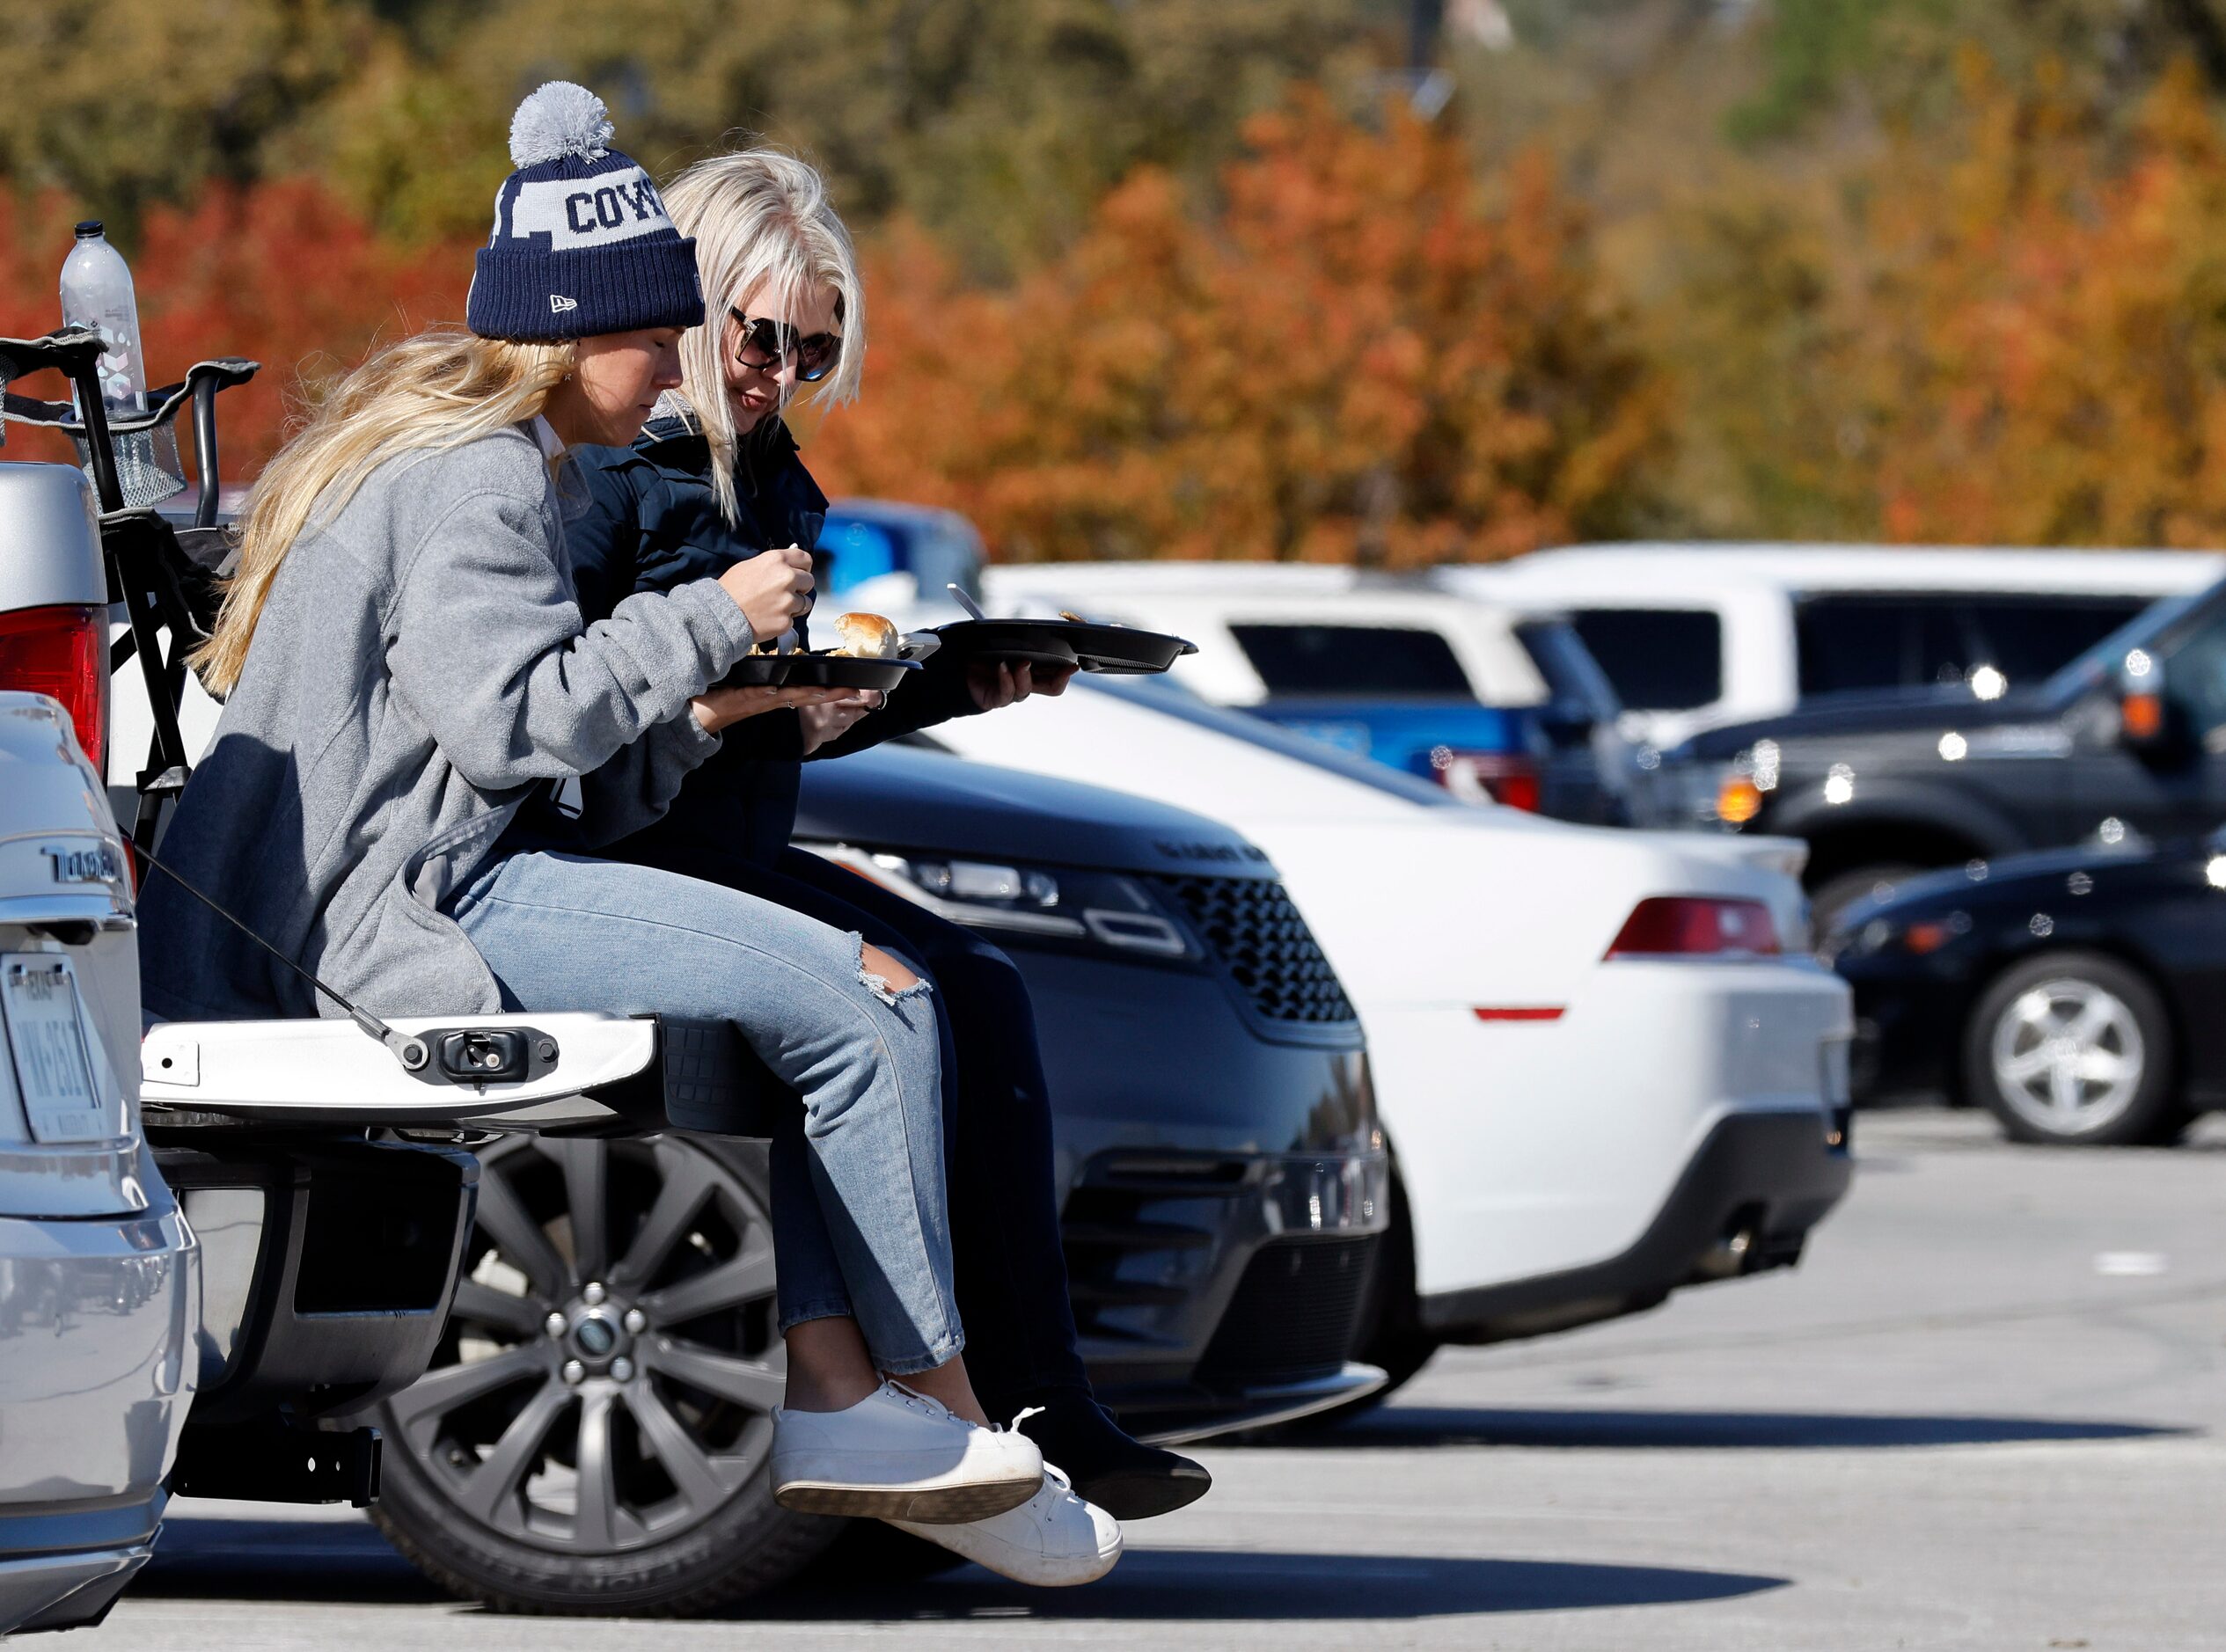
816 670
1120 650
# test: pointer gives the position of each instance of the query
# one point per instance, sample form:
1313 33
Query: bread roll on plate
867 637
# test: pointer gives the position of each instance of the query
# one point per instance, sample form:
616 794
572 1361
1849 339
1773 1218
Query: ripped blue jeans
870 1238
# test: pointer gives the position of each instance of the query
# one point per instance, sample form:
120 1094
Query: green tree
123 103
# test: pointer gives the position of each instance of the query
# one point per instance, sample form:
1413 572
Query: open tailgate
573 1071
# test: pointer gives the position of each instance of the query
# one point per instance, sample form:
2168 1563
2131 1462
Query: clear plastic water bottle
97 293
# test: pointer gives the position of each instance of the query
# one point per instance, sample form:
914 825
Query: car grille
1296 1312
1252 928
1138 1233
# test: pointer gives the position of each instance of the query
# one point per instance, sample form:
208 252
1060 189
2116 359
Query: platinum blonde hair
761 218
441 389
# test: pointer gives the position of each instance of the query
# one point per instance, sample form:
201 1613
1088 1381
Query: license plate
47 1036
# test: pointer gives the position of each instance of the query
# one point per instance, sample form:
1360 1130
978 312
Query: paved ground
1986 1413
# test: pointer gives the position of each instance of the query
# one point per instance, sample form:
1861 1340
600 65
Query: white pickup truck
320 1166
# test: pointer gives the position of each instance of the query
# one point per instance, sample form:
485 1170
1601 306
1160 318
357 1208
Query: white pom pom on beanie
581 242
559 120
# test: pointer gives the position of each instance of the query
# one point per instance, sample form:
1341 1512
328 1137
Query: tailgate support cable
411 1052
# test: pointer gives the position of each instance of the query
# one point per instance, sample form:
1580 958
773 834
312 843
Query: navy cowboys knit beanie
581 242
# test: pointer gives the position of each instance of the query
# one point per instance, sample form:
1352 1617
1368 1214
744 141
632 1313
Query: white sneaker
1053 1540
899 1455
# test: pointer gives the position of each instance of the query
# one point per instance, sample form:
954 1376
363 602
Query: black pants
1010 1273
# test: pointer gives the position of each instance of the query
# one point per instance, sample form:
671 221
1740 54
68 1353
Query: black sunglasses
766 344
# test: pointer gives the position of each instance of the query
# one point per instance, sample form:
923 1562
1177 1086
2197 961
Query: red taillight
1694 925
1503 777
63 652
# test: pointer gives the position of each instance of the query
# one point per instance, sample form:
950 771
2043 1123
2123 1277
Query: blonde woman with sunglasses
716 484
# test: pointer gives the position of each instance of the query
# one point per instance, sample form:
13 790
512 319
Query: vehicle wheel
2073 1047
595 1433
1843 890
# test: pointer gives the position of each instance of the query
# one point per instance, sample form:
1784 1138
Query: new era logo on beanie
582 242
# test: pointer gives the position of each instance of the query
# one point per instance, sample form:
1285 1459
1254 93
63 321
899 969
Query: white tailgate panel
333 1072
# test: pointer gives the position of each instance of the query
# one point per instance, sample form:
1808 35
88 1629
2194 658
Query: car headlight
1917 937
1692 788
1743 787
1738 799
1104 909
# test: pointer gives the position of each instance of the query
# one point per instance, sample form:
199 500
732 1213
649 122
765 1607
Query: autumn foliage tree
281 273
2006 328
1367 352
2009 330
2046 361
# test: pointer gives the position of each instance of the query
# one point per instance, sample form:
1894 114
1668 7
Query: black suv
2128 741
1223 1192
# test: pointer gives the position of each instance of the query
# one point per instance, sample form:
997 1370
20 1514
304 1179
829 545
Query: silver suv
319 1167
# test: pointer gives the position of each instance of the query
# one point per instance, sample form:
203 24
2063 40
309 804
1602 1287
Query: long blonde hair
761 217
441 389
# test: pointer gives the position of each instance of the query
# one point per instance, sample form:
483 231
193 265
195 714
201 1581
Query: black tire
665 1299
2071 1048
1843 890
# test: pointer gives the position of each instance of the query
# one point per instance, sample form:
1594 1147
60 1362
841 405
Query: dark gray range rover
1221 1174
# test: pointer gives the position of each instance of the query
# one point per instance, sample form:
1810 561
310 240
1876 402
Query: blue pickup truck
1495 706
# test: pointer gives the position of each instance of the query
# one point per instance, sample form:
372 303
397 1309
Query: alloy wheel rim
609 1369
2068 1055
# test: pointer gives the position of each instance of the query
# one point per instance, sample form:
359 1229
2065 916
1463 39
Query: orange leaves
279 273
1358 354
1367 351
2041 350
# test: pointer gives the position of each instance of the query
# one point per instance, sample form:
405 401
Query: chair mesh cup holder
148 468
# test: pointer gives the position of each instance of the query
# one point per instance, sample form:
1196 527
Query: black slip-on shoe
1126 1478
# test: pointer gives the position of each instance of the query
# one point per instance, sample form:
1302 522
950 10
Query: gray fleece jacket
419 667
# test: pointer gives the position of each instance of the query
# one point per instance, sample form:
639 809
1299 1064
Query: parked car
2130 738
256 1232
2075 994
100 1288
1695 635
879 555
196 1280
1490 704
1221 1179
1605 1063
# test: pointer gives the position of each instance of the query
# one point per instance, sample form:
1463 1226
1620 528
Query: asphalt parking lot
1985 1413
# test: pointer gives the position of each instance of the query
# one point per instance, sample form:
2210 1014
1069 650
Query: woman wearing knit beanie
715 483
405 665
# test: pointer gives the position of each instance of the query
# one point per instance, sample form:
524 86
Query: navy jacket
653 523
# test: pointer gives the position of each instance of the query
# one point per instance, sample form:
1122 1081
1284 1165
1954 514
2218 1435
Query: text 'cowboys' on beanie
581 242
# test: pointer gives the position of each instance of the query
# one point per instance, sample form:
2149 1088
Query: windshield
1657 659
1171 699
2100 663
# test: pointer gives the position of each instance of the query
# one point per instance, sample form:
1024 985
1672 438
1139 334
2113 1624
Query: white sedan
1606 1062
